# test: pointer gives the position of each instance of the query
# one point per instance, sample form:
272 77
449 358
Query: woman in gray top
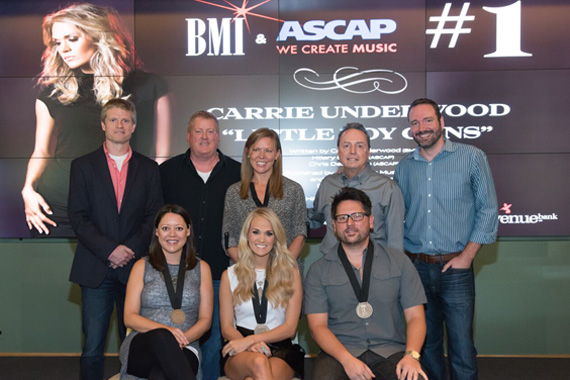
168 304
263 185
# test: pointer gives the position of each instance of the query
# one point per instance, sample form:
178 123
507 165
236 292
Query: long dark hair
155 251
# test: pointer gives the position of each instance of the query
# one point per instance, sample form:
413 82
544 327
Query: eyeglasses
355 216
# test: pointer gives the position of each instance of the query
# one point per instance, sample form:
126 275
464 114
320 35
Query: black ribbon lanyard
259 306
256 199
175 298
360 293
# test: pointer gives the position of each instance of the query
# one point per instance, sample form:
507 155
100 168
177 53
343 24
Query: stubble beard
436 135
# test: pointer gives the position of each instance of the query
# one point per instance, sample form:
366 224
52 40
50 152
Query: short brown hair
351 194
427 101
123 104
358 127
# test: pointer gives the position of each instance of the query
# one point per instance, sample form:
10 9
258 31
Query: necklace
260 280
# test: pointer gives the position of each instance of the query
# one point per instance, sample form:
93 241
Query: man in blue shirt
451 210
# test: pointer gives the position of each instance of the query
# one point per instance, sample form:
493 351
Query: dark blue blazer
99 227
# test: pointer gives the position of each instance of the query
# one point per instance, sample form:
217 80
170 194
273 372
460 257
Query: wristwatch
413 354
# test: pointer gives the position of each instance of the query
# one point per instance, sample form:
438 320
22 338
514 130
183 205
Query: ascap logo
336 30
509 218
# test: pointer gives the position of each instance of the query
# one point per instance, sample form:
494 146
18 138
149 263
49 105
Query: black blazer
99 227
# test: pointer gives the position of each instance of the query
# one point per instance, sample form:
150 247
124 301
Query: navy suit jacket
95 219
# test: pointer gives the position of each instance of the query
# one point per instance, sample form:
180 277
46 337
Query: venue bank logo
506 208
509 218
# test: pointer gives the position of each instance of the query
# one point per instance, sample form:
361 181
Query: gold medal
364 310
178 316
260 329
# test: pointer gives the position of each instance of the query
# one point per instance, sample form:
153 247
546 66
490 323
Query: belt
433 259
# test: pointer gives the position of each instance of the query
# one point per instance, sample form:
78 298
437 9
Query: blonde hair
204 115
114 55
123 104
276 179
280 269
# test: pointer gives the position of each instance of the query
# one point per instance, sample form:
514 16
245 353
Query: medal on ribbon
260 308
177 316
364 309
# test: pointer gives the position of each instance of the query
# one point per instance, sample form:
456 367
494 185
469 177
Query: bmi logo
510 218
223 37
215 37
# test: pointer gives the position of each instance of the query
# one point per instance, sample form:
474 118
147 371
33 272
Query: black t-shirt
182 185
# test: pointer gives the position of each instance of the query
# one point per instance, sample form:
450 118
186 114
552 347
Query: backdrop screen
499 69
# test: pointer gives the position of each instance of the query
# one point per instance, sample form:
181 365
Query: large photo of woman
89 58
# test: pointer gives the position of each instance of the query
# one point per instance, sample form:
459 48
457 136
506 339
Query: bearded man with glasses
364 302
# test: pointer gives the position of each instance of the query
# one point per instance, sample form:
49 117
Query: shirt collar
129 153
448 147
188 160
332 255
363 176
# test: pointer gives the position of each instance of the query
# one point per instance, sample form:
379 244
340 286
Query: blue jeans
212 346
451 300
96 309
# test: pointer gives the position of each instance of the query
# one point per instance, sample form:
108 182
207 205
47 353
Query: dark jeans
156 355
96 309
212 346
327 367
451 300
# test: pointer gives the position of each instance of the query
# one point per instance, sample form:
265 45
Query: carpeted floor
64 368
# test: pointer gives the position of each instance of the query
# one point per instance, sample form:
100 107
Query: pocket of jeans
459 270
459 282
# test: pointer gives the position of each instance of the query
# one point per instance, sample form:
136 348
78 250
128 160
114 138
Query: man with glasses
451 211
364 302
387 204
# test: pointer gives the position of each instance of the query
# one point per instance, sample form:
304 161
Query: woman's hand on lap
236 346
179 335
261 348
